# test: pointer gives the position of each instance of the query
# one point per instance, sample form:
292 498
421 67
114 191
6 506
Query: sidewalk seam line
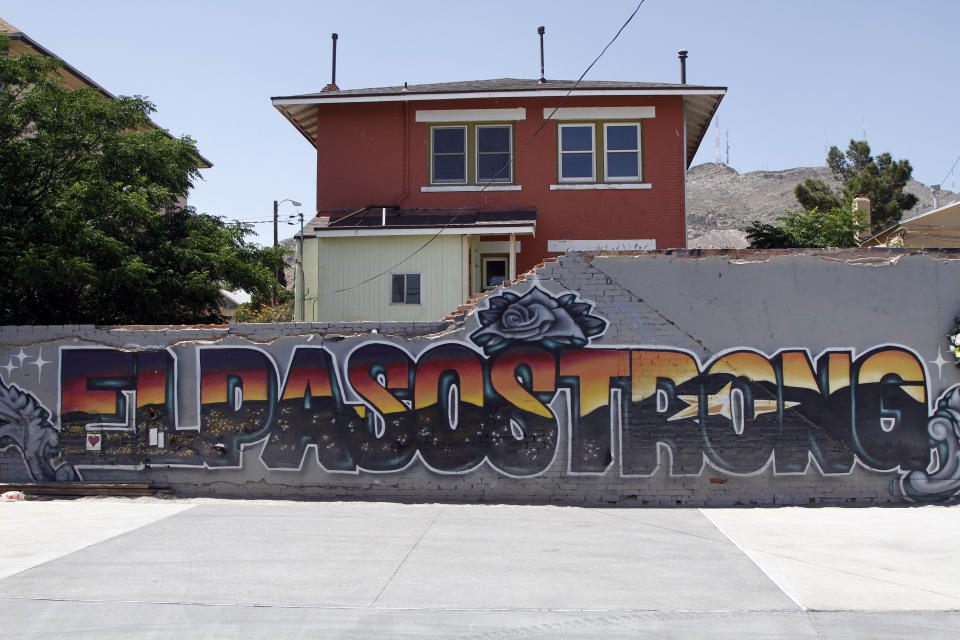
404 559
755 563
93 544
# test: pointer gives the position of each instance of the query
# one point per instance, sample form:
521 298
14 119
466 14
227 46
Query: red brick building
601 164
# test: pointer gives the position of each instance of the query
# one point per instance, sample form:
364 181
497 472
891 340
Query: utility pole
276 237
276 207
302 283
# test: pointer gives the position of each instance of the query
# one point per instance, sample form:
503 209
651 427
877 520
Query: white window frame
405 274
434 154
592 152
476 143
606 153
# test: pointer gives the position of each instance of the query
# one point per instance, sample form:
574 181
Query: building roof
502 84
392 221
73 77
937 228
700 102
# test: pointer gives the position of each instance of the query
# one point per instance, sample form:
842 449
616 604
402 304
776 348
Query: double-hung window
577 162
600 147
622 152
494 148
449 155
471 149
405 288
476 154
620 160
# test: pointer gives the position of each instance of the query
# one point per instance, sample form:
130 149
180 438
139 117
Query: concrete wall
667 378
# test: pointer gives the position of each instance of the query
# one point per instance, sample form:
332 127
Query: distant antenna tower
864 127
728 147
825 143
716 151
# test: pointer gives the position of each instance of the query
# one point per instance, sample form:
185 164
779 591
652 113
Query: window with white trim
620 161
622 152
576 153
471 154
405 288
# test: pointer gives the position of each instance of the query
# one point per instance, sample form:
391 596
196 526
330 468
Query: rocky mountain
722 202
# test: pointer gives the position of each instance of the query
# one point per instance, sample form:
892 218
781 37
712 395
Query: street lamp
276 207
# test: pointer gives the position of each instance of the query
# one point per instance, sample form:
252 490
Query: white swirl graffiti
25 425
944 429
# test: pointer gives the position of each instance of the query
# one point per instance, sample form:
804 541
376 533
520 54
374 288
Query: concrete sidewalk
101 568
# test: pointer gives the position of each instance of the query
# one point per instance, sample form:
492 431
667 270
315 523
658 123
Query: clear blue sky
797 72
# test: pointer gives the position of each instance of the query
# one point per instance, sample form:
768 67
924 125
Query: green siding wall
331 264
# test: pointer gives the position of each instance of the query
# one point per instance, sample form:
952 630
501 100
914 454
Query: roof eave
408 96
698 112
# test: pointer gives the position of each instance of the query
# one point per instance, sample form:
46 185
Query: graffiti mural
528 390
25 426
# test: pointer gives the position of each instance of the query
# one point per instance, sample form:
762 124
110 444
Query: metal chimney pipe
333 72
683 66
541 31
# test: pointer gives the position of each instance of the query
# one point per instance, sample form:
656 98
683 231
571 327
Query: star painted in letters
718 404
21 356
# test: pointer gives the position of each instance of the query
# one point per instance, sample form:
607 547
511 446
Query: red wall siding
359 162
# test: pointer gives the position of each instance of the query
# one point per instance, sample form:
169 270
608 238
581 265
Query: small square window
448 155
405 288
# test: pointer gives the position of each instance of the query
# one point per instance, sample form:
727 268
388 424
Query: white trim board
497 246
599 186
639 244
599 113
471 187
471 115
425 231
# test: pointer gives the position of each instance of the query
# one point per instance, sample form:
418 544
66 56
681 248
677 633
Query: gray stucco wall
662 378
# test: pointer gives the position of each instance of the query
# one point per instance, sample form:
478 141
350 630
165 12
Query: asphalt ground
200 568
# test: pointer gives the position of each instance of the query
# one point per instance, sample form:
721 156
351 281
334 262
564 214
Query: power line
951 170
512 159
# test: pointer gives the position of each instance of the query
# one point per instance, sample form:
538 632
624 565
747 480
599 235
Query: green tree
837 227
90 229
882 179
